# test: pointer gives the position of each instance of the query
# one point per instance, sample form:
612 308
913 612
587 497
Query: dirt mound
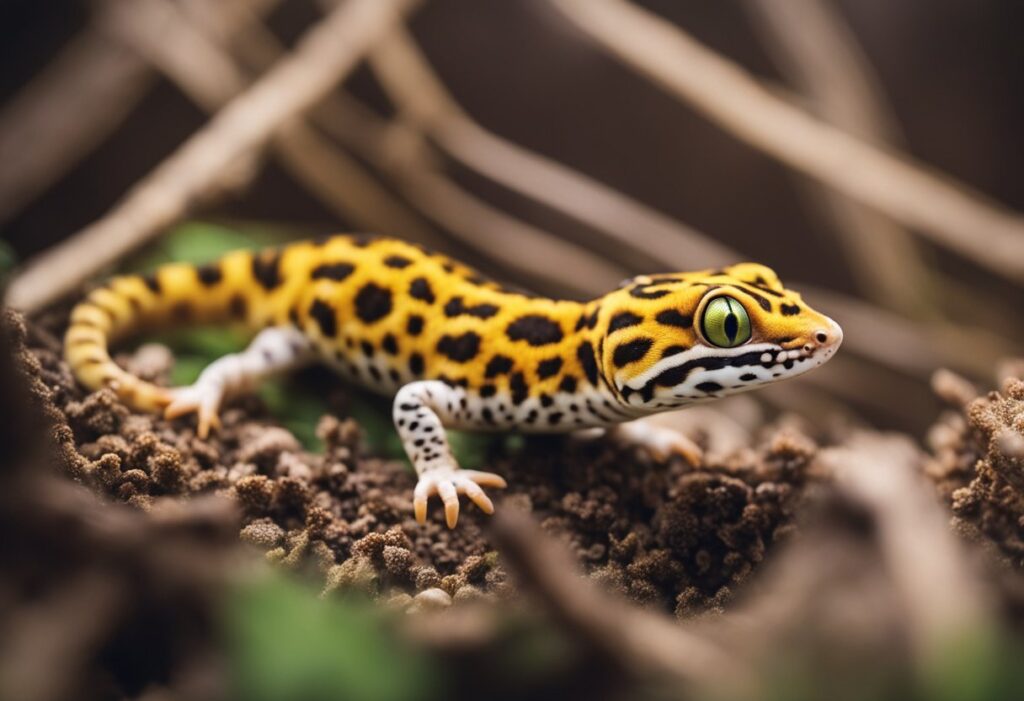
663 534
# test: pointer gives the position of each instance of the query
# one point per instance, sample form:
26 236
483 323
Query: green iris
725 322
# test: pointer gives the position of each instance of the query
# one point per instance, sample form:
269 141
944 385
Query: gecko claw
205 403
448 484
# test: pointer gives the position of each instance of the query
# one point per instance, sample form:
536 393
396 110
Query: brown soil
979 469
663 534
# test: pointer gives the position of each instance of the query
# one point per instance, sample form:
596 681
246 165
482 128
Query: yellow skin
455 350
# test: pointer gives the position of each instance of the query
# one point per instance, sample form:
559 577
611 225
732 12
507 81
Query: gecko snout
828 337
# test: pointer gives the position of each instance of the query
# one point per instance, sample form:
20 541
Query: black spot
535 329
532 416
455 307
420 289
623 320
631 352
748 377
237 306
789 309
585 354
763 301
488 391
266 269
546 400
568 384
397 262
373 303
673 350
181 311
414 326
554 418
709 387
389 344
361 240
323 314
375 373
332 271
788 365
367 348
549 368
209 274
461 348
641 292
416 364
151 281
672 317
487 415
498 365
517 383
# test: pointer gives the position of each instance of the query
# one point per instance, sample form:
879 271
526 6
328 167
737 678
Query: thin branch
941 597
520 247
640 642
322 58
413 85
946 211
815 47
913 347
64 113
208 74
77 101
533 255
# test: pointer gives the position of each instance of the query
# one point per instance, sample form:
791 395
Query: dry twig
641 642
912 194
192 58
321 59
69 108
815 47
420 94
942 599
77 101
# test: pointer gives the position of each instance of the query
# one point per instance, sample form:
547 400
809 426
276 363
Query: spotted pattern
462 352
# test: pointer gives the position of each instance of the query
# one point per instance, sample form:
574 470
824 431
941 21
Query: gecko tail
240 287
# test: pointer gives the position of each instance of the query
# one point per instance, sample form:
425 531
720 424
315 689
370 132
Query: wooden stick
640 642
193 56
64 113
814 46
410 81
916 196
322 58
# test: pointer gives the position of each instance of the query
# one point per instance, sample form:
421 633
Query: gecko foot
448 484
660 442
202 399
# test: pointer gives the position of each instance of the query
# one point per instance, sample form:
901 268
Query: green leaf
284 643
298 409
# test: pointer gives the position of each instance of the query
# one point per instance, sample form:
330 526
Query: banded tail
244 286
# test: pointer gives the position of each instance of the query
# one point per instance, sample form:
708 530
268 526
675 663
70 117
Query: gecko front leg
273 350
420 411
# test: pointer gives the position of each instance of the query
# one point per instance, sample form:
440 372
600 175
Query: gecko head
675 339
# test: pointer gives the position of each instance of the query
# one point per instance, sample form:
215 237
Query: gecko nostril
821 337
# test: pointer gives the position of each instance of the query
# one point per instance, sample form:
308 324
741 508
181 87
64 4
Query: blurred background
871 152
516 137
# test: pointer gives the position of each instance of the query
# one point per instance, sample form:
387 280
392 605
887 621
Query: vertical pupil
732 326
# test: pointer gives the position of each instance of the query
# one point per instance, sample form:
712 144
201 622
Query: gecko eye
725 323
